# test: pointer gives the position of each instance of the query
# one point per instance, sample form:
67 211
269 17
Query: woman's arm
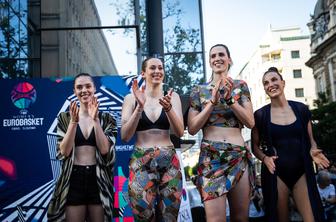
267 160
68 140
196 119
256 145
244 113
243 109
175 116
316 154
129 118
103 143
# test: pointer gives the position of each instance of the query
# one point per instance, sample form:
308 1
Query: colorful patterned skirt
221 165
155 184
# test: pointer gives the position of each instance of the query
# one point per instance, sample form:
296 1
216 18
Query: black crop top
80 139
145 123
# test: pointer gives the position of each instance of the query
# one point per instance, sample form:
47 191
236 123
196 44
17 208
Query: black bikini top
145 123
80 139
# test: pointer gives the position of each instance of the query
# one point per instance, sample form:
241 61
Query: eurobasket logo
23 96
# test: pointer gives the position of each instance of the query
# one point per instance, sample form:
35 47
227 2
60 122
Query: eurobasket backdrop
28 164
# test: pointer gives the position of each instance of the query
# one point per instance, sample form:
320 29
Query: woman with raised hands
220 109
155 179
85 145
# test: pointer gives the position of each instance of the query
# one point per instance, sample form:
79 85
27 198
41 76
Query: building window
297 73
295 54
299 92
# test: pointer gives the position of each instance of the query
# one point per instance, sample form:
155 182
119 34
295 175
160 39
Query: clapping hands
165 101
74 112
139 94
93 108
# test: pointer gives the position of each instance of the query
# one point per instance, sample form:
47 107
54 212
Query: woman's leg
75 213
96 213
170 188
215 209
142 187
301 197
283 193
239 199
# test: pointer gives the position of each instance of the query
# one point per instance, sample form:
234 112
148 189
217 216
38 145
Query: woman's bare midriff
224 134
153 137
85 155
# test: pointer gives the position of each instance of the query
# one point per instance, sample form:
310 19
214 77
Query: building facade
46 38
70 49
287 49
323 48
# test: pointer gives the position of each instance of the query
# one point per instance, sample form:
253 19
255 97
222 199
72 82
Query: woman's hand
139 94
74 110
319 158
228 87
215 93
93 108
165 101
269 162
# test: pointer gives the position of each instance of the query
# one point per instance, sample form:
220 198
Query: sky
241 24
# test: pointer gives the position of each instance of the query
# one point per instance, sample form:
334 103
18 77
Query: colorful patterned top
104 169
222 115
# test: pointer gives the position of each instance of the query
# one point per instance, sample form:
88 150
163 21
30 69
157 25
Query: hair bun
273 69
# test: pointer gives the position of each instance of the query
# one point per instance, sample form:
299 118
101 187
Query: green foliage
187 171
324 127
190 171
11 44
183 62
183 70
322 99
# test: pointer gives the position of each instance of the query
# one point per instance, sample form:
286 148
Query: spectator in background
327 193
256 213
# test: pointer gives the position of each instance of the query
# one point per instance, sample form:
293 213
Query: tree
324 126
12 42
321 99
183 70
183 64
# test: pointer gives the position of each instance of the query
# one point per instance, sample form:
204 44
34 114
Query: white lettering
22 122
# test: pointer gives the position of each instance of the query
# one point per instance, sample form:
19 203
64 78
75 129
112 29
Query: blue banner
28 164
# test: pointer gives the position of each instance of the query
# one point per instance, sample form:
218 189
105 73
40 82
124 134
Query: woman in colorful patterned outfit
284 132
220 108
85 145
155 179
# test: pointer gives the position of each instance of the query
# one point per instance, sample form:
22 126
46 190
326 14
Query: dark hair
83 74
227 51
144 63
322 176
221 45
273 69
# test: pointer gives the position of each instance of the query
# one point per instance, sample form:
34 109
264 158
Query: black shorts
83 188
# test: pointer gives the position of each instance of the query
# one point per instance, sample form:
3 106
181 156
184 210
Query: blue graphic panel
28 164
